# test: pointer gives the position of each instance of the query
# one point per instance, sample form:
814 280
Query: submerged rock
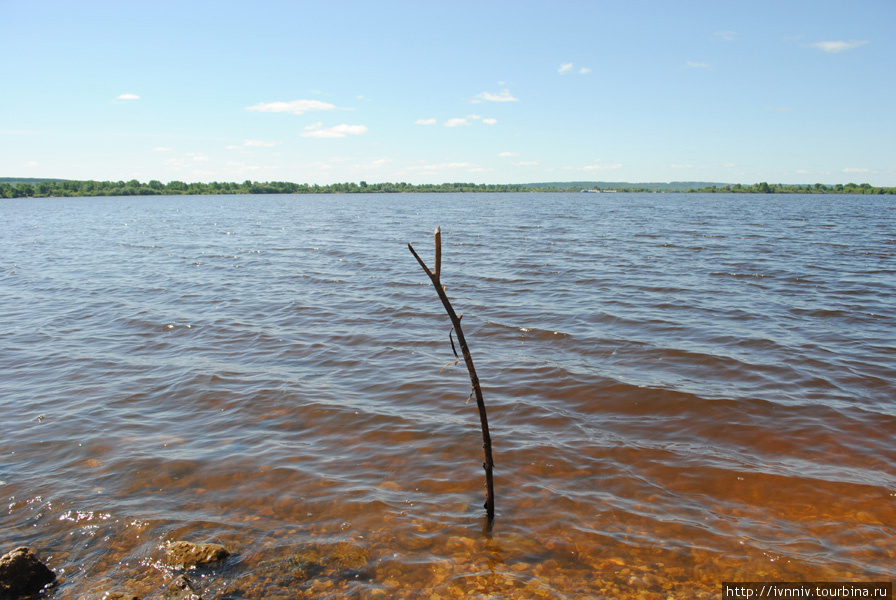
186 555
22 574
346 556
182 589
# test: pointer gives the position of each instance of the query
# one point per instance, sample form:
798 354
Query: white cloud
234 170
259 144
296 107
348 164
839 46
508 154
189 162
31 164
856 170
339 131
162 149
425 122
504 96
128 97
460 121
528 163
242 167
697 65
445 166
599 166
567 68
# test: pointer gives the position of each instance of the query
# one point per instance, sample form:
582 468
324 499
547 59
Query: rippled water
682 390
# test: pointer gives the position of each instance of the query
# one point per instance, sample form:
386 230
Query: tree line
780 188
69 188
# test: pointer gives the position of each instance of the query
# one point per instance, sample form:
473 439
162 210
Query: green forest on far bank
34 188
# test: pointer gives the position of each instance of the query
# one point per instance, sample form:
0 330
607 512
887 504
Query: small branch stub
488 465
438 251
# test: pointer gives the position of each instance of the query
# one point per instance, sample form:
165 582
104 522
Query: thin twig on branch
488 465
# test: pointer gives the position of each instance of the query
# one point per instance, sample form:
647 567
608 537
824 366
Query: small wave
739 275
530 332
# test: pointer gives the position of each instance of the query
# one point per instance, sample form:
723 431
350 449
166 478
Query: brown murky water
682 389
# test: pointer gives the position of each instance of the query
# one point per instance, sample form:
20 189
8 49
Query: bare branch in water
488 465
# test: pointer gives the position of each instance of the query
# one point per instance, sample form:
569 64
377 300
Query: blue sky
430 92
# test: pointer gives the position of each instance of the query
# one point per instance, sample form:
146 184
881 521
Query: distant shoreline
60 188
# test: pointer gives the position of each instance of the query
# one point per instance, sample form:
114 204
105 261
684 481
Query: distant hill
29 180
672 186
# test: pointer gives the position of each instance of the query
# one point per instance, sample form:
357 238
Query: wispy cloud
504 96
242 167
128 97
188 162
567 68
460 121
508 154
839 46
376 163
349 164
445 166
601 166
259 144
726 36
296 107
698 65
425 122
162 149
856 170
339 131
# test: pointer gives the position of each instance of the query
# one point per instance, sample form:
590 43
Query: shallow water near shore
682 390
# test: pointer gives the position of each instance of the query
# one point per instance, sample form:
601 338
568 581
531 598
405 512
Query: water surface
682 390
